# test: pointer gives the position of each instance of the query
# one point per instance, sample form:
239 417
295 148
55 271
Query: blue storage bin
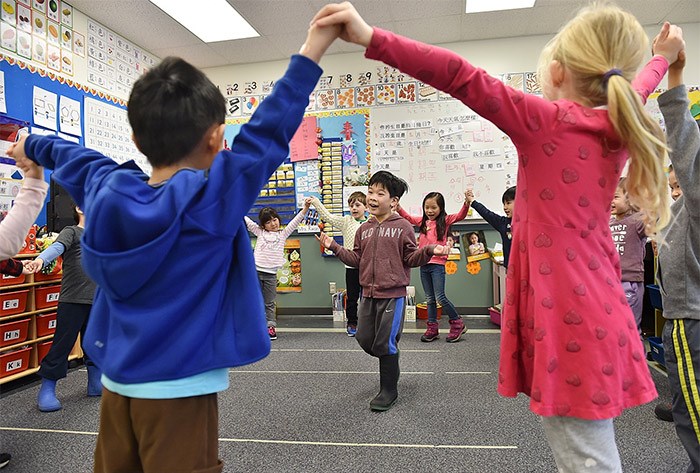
656 348
655 296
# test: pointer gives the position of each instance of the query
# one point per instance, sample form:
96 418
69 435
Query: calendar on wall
107 130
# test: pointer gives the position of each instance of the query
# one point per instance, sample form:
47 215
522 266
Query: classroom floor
305 409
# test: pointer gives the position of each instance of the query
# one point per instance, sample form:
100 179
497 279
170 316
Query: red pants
158 435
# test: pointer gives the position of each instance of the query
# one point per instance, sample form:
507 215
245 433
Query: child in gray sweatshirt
679 265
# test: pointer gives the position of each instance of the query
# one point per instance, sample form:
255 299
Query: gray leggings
268 284
582 445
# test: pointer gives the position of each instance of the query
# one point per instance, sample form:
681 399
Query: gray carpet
305 409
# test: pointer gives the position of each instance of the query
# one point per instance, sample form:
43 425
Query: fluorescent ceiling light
477 6
209 20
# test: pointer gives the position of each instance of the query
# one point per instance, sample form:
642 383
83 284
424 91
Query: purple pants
634 292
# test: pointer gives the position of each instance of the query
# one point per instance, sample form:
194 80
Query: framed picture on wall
475 245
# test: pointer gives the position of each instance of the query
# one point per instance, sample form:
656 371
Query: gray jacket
679 257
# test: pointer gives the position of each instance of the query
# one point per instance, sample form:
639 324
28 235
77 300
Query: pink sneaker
431 333
272 332
457 329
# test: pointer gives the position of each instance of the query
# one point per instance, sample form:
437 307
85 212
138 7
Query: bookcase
27 322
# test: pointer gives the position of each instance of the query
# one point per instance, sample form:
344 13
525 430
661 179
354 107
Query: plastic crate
655 296
13 302
495 315
38 277
422 311
47 296
45 324
14 332
656 348
7 280
14 362
43 349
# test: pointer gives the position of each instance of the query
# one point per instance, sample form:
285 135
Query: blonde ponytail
603 46
646 143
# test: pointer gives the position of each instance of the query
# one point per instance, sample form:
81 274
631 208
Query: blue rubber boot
46 399
94 387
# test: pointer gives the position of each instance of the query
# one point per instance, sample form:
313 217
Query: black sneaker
4 459
663 411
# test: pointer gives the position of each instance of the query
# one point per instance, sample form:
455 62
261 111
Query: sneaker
352 330
4 459
457 329
663 411
272 332
431 332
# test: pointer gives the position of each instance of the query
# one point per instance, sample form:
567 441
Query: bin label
52 323
10 304
13 365
11 335
53 297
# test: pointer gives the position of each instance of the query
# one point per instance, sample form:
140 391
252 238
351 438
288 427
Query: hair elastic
610 73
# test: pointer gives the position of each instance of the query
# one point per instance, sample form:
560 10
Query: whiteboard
443 146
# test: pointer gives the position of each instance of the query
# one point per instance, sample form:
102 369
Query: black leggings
71 320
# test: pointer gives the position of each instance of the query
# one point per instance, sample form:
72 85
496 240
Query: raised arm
326 216
14 227
294 223
252 227
492 218
683 138
414 219
459 216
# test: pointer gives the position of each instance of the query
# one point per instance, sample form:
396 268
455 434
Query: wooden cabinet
25 308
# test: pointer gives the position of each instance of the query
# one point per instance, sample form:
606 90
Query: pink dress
569 340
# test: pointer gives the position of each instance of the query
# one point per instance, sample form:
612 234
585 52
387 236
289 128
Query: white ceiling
282 24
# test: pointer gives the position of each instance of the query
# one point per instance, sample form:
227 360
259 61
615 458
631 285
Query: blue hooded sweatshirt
177 290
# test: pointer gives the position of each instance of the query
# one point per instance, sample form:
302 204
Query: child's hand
34 266
318 39
441 250
469 196
325 240
669 42
28 167
679 65
354 28
307 203
16 150
25 269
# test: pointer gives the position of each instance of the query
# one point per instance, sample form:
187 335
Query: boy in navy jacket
178 301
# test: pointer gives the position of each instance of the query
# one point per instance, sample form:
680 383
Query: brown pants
158 435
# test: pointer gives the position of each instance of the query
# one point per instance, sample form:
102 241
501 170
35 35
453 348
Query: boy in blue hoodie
178 300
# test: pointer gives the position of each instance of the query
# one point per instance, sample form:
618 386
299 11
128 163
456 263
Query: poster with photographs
39 5
67 15
475 246
9 7
289 275
78 44
24 18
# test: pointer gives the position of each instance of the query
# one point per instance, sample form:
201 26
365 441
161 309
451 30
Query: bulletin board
443 146
310 170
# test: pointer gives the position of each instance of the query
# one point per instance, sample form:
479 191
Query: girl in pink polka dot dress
569 339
